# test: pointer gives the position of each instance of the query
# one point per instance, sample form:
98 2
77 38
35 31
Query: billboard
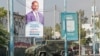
69 25
34 18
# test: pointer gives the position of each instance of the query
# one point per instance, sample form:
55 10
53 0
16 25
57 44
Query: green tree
81 13
3 37
82 31
82 36
48 32
3 12
3 33
84 20
97 26
57 27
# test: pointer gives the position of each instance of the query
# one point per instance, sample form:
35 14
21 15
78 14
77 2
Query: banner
34 29
34 18
70 25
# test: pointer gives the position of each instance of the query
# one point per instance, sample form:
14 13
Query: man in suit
34 15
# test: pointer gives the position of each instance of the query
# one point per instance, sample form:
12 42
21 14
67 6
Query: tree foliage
57 27
3 33
97 24
4 36
82 18
3 12
81 13
82 31
48 32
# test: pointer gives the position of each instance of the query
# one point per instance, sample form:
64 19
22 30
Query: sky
71 6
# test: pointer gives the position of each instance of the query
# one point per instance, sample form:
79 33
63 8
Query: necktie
37 17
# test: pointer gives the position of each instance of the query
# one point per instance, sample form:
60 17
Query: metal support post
11 29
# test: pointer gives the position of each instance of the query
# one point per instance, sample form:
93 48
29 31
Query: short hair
34 2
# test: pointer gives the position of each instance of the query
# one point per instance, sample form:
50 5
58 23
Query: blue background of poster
70 35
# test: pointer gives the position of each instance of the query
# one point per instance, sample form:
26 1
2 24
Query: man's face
35 6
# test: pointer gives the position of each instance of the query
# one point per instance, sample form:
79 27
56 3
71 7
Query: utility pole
65 5
54 20
11 28
8 21
94 10
79 34
65 45
8 15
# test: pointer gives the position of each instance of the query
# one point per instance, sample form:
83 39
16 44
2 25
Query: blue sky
71 5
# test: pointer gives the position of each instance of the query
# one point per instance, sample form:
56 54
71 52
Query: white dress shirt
36 15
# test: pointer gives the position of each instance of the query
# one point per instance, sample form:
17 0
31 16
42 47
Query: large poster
69 28
34 18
